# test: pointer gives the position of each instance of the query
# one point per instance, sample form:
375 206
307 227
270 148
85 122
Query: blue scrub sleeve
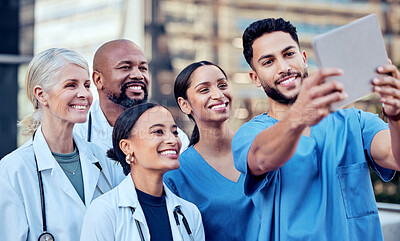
371 124
241 144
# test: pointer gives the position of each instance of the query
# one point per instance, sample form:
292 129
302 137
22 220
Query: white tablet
358 49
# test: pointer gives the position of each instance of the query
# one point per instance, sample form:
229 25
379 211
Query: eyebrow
76 80
270 55
208 82
130 62
161 125
156 125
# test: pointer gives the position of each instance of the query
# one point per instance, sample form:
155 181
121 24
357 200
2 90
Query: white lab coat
110 217
20 204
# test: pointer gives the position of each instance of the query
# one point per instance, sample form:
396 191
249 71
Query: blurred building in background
211 30
173 34
16 48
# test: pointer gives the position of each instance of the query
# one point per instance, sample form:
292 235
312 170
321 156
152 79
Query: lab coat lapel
128 199
44 158
90 173
171 204
138 215
47 161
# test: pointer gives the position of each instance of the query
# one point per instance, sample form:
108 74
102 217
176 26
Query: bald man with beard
121 76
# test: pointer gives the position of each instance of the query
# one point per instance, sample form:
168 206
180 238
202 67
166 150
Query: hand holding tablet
358 49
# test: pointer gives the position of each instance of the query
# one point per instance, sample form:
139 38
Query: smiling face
121 73
279 66
154 142
69 100
209 98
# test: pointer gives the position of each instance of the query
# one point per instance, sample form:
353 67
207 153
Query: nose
84 92
173 139
283 66
217 93
136 74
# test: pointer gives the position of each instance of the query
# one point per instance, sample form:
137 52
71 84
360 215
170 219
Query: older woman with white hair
48 182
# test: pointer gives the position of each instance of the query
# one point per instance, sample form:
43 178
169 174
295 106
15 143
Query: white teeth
169 152
218 106
135 87
288 80
79 107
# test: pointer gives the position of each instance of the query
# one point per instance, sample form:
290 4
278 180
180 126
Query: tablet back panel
358 49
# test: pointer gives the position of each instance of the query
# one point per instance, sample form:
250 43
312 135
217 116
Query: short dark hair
182 84
122 130
261 27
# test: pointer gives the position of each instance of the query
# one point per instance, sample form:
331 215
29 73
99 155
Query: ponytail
111 154
30 123
195 135
44 71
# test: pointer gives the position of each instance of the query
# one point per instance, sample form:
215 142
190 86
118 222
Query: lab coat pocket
356 189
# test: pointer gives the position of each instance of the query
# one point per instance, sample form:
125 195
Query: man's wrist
390 117
295 121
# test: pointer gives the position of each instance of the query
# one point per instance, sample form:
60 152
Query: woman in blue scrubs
207 175
146 143
70 172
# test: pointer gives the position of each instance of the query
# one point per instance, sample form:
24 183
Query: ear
40 95
98 80
184 105
304 55
253 75
126 146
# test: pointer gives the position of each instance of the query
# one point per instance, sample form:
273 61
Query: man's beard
123 100
277 95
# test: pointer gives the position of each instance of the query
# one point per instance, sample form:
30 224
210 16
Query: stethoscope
45 235
89 131
89 137
177 210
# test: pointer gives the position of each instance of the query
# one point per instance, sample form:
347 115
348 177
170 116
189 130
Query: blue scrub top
227 213
324 191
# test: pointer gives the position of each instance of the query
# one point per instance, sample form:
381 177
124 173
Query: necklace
73 172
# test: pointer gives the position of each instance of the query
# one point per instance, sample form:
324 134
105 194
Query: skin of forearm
394 126
274 146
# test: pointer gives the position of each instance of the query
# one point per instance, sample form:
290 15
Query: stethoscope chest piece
46 237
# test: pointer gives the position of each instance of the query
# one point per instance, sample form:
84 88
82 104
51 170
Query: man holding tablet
306 168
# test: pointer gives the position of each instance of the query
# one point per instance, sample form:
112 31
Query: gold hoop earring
132 159
128 159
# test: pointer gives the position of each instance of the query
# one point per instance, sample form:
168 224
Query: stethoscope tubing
176 211
45 235
89 132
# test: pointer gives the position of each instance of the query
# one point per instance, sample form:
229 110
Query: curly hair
261 27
